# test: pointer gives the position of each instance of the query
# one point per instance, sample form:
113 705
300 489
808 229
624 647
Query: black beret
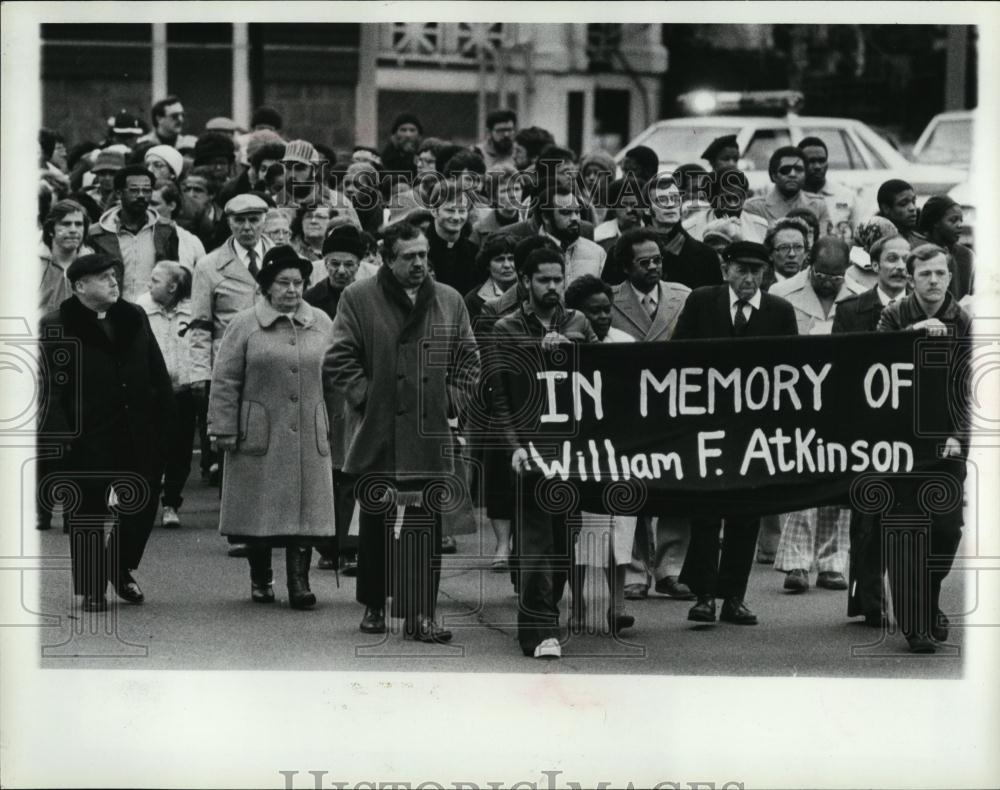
728 141
749 252
90 264
279 258
344 238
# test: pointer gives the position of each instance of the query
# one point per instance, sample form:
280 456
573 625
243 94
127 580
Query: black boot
261 578
297 560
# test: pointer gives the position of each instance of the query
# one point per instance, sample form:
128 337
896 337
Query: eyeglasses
784 249
646 263
830 278
283 283
787 170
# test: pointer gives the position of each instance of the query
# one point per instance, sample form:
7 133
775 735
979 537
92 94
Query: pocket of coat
255 429
322 430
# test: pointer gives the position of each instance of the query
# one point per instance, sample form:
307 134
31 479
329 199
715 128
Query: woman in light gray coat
267 411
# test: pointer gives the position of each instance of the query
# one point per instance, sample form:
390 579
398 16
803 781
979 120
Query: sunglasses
787 170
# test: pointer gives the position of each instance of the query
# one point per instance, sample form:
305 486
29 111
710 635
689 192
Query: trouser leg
672 537
637 570
374 528
770 535
738 541
866 586
180 443
419 564
701 564
538 612
798 540
832 541
208 455
86 536
130 531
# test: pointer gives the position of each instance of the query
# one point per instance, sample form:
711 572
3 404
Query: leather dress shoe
325 564
374 621
261 593
237 550
426 630
797 581
635 592
127 589
831 580
619 621
448 545
939 626
672 588
94 603
920 644
704 610
736 612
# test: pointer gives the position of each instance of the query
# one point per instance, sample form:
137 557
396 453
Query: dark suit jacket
706 315
858 313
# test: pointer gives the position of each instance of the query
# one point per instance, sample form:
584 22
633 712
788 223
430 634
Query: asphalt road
198 616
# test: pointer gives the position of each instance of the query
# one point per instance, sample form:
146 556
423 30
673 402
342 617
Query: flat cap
90 264
108 160
222 124
727 141
748 252
245 204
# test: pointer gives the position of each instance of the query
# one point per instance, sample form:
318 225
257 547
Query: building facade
591 85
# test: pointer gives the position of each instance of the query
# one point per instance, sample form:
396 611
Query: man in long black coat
108 402
737 309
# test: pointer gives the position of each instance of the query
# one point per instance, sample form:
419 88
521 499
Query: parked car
947 140
859 157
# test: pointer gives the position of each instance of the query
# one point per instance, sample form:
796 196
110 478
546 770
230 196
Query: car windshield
950 142
679 145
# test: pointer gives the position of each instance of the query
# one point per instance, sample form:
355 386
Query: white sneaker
548 649
170 518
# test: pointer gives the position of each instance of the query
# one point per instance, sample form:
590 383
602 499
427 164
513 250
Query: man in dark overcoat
737 309
114 398
404 358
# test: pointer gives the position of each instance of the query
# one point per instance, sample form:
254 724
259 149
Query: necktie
740 319
254 269
650 306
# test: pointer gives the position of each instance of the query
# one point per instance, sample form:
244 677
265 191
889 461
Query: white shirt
244 254
887 300
645 299
753 302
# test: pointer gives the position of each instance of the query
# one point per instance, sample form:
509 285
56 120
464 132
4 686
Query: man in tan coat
403 356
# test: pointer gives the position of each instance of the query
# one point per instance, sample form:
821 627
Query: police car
947 140
858 156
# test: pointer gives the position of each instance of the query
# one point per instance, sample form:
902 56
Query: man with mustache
497 150
787 168
626 206
866 596
817 535
131 232
558 212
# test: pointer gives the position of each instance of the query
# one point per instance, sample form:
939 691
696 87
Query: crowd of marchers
266 300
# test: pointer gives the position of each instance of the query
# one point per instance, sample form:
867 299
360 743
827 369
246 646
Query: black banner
740 427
